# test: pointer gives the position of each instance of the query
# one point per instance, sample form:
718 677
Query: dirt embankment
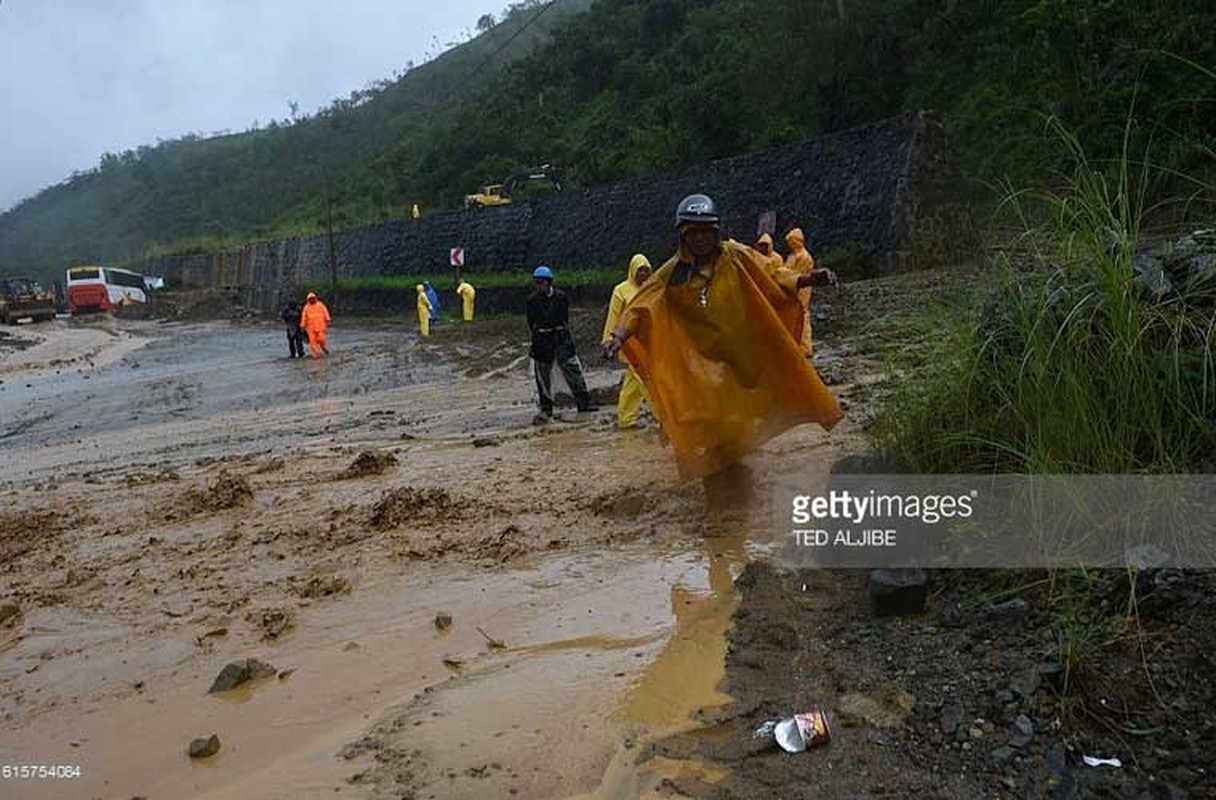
968 699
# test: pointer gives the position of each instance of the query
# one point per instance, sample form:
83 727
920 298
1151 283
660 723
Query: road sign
457 258
768 224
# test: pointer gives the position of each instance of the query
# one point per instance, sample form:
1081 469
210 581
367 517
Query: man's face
542 285
643 274
701 239
312 300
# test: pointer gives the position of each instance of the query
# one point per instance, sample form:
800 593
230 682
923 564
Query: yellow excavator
499 194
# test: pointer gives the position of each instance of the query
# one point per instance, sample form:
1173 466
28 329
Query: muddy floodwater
180 496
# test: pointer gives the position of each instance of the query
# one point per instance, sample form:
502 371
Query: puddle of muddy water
579 629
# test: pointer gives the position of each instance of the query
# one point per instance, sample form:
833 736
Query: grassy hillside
199 193
632 87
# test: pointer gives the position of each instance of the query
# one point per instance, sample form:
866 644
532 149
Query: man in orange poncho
315 321
764 245
629 401
802 262
712 335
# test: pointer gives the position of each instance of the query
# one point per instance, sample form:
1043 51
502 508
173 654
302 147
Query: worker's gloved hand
611 346
825 276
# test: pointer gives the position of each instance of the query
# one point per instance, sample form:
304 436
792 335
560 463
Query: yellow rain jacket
802 262
775 261
622 293
726 376
467 295
632 392
424 311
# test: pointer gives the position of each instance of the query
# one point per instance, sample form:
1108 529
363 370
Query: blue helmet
542 272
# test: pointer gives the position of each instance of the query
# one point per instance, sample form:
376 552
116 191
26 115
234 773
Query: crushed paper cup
803 731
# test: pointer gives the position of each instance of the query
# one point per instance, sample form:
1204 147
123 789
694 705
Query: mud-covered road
181 496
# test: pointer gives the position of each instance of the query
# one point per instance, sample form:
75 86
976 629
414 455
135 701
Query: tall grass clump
1073 365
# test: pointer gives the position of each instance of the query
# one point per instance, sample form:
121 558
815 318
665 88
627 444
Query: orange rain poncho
315 320
775 261
725 377
802 262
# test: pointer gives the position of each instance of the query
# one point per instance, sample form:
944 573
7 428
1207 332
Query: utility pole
329 231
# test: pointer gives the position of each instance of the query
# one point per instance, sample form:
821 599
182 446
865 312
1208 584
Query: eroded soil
194 498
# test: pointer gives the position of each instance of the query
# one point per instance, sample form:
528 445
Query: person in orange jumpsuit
764 245
802 262
713 336
315 321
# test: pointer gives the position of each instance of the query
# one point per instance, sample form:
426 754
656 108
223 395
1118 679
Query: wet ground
180 496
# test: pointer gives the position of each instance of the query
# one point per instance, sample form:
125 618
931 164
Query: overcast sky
79 78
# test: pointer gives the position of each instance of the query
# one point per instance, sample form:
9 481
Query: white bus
94 288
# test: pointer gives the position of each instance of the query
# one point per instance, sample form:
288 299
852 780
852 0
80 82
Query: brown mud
176 508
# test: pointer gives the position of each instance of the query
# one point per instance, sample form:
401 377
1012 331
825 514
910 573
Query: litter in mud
798 733
1091 761
443 621
494 644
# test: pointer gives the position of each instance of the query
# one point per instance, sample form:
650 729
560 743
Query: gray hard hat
697 208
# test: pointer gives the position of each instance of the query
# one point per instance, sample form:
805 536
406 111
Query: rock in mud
205 748
1010 608
1023 729
369 462
1027 682
898 592
952 715
9 611
240 672
486 441
443 620
887 708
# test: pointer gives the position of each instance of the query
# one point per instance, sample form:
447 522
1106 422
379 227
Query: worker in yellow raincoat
467 295
713 337
801 261
764 245
633 392
424 311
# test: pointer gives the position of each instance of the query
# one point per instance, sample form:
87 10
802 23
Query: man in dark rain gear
549 322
